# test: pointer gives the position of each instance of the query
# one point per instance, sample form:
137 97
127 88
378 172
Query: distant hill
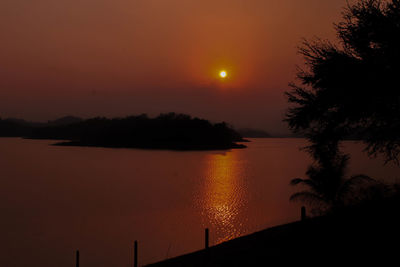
167 131
65 121
253 133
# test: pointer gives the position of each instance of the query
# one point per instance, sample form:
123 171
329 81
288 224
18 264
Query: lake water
54 200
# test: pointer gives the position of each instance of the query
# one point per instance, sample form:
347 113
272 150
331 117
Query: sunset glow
172 132
155 56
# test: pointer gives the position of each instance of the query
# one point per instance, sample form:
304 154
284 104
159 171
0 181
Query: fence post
77 258
303 213
135 254
206 237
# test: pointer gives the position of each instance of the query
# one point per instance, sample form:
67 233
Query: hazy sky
123 57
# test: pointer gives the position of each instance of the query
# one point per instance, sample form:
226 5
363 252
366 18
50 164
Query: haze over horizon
116 58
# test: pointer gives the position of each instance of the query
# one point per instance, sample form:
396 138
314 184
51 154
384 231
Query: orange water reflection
224 196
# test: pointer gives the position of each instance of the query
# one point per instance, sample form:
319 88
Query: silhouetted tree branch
348 90
351 90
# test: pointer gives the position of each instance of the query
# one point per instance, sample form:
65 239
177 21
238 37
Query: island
167 131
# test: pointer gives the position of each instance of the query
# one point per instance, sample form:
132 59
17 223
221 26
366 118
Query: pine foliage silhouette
350 89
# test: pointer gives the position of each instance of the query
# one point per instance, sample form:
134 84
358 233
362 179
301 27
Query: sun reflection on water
223 199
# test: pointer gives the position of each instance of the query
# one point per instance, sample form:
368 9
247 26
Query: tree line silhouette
166 131
348 90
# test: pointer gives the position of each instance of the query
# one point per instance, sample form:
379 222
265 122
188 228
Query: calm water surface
54 200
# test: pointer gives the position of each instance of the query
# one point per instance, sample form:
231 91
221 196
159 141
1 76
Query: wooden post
303 213
135 254
206 237
77 258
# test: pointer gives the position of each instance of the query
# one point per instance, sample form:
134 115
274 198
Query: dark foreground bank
357 236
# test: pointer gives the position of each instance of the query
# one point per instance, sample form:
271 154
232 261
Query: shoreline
153 147
356 235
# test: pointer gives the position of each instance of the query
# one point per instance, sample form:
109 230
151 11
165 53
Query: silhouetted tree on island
167 131
348 90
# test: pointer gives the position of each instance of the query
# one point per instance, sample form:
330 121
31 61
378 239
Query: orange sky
123 57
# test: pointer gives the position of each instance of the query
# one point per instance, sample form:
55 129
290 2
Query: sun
223 74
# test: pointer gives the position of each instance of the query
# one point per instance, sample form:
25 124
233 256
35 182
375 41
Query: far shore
177 147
